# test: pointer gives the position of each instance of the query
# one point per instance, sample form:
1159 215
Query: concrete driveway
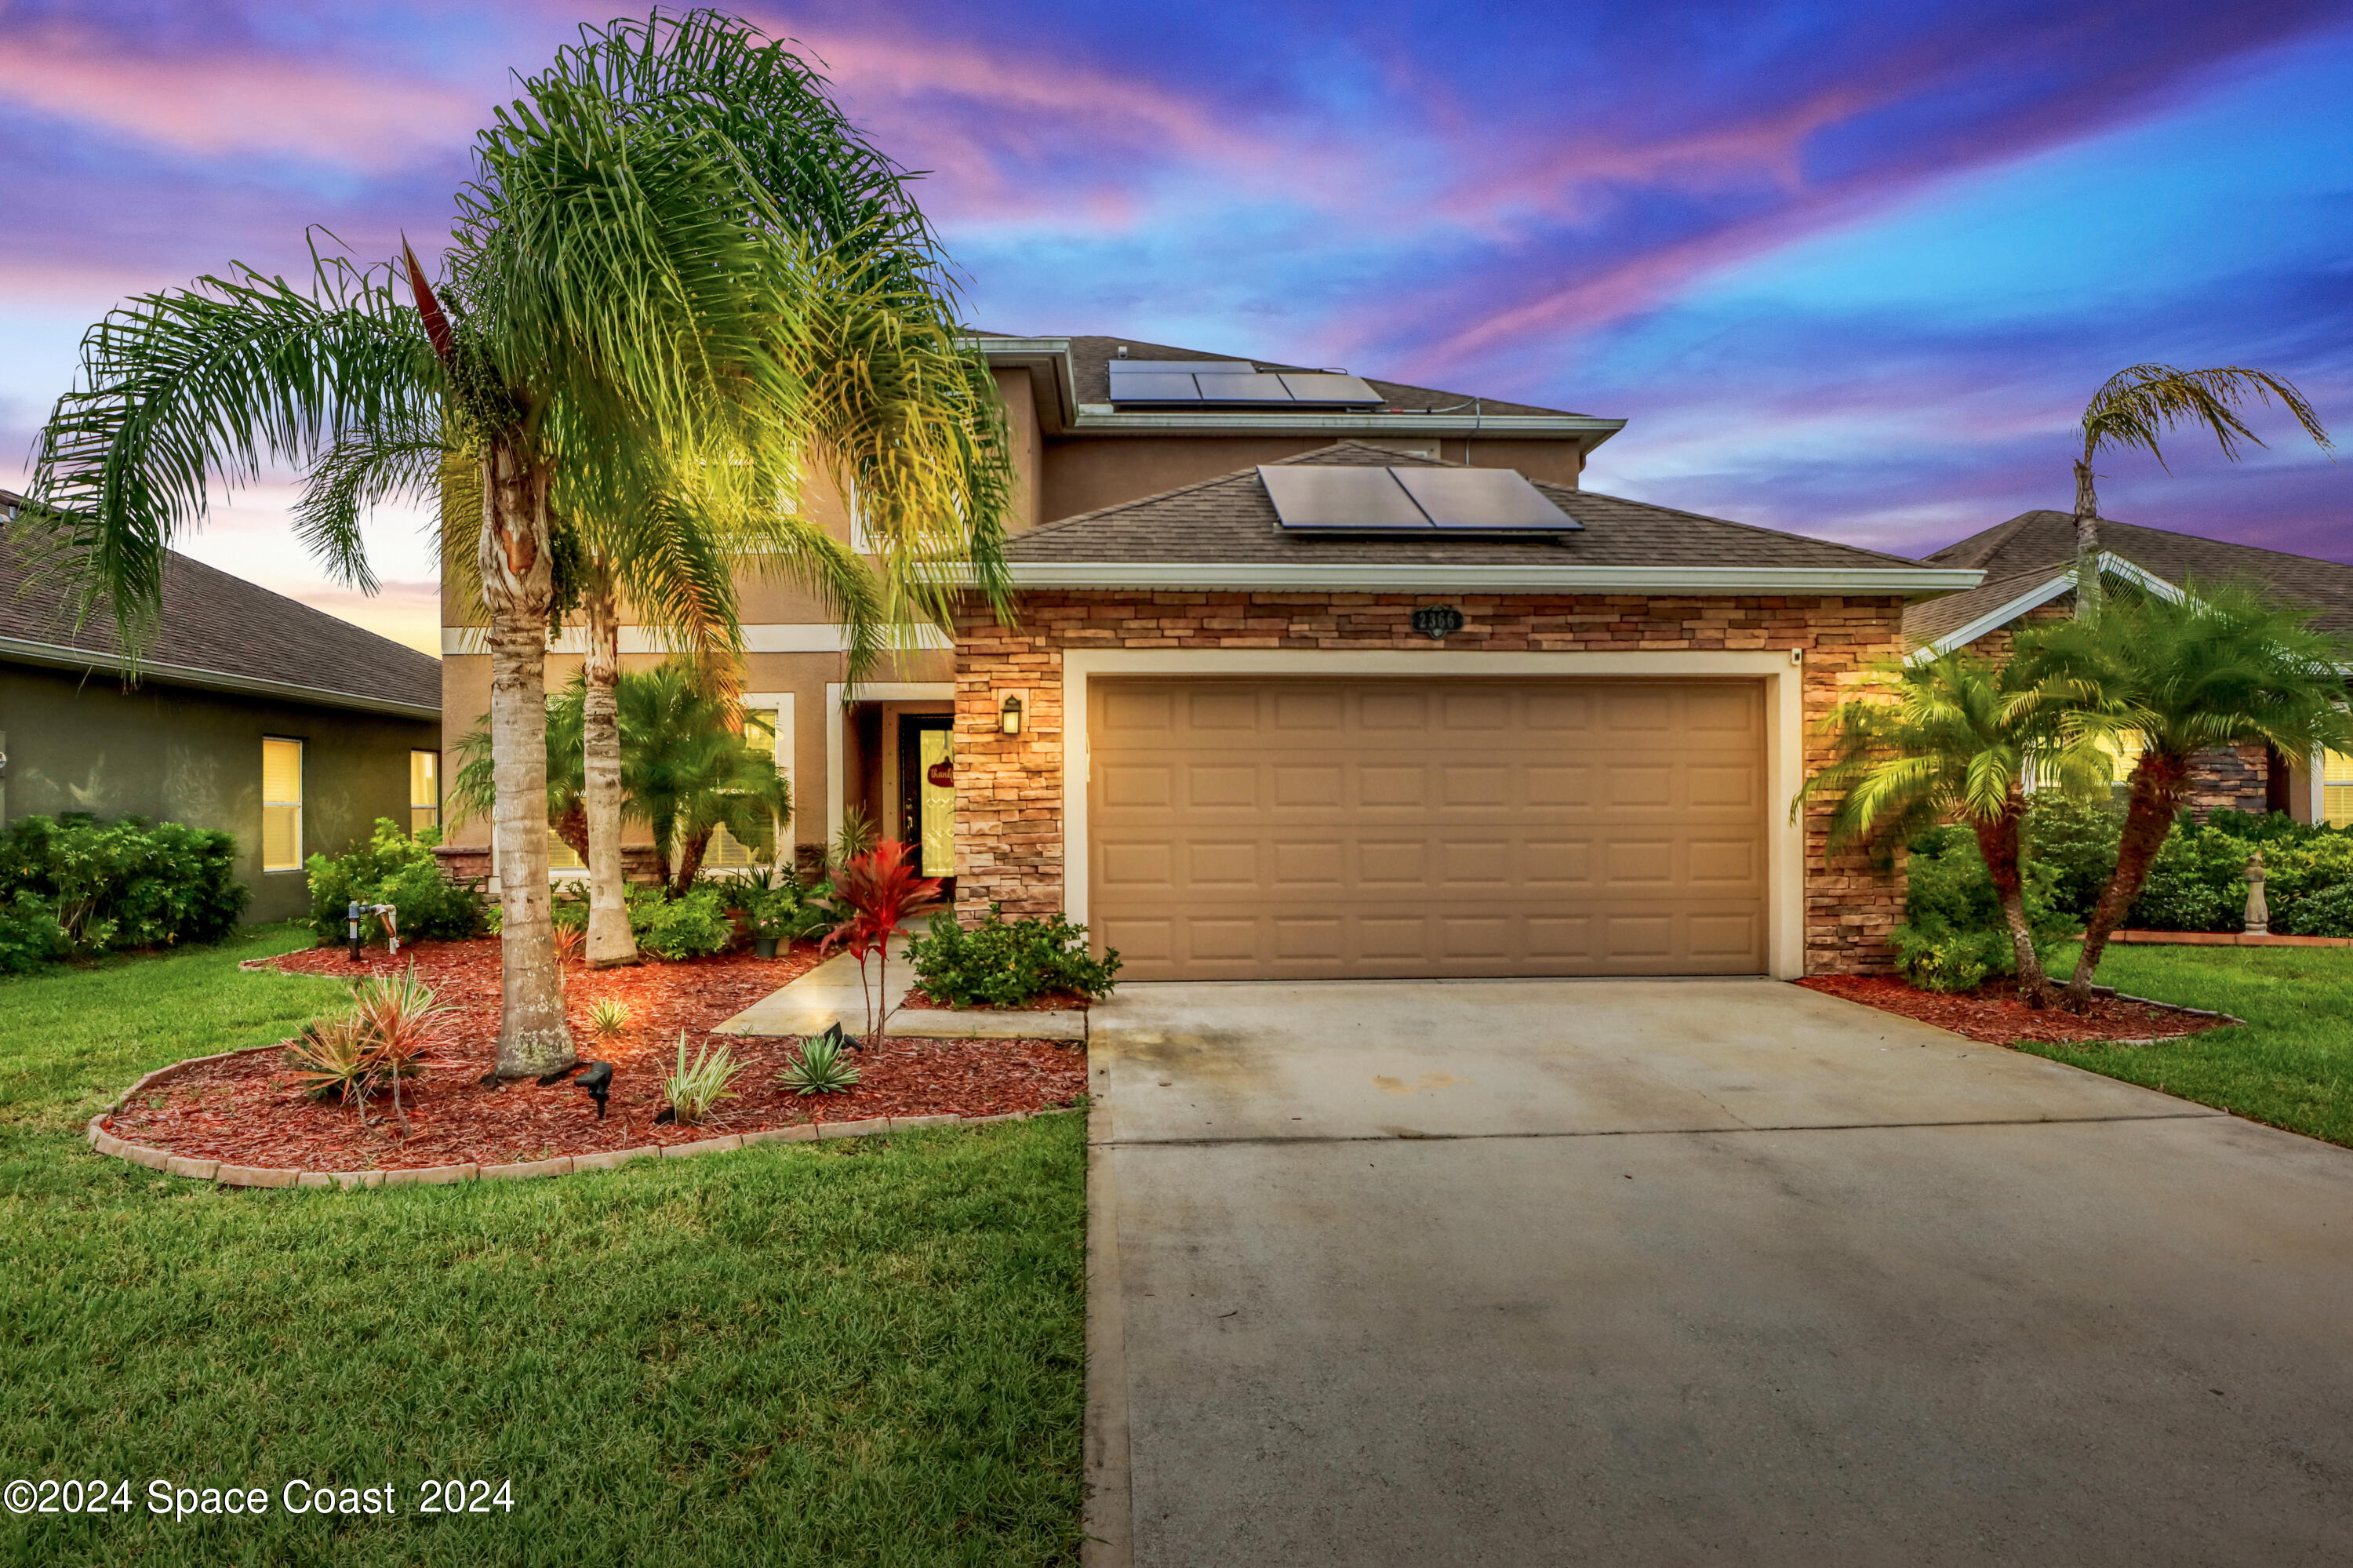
1666 1272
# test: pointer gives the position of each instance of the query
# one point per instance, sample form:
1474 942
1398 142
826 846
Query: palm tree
901 410
615 327
687 767
2217 667
2138 404
1948 736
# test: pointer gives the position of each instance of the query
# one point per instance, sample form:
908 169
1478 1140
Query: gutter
1432 577
56 657
1103 419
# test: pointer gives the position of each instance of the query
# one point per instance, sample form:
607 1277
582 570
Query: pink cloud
224 104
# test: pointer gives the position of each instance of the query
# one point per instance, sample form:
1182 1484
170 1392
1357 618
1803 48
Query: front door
927 791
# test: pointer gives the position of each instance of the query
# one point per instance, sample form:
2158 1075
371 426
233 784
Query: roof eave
65 657
1514 577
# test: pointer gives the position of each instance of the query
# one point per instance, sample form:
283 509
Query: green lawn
2292 1065
868 1352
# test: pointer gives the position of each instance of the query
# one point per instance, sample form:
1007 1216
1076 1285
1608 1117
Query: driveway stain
1426 1081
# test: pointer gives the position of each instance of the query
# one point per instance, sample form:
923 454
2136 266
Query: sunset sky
1847 268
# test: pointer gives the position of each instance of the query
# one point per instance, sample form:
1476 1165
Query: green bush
2077 841
789 912
111 885
30 936
683 927
1954 935
1004 963
2328 913
393 868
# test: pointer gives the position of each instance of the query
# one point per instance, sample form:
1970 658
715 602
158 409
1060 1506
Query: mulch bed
246 1111
1998 1017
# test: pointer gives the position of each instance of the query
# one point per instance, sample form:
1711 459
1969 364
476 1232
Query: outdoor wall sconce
1008 718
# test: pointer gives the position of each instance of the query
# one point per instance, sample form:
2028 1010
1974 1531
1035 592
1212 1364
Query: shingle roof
1926 621
215 624
1231 519
1090 377
2041 543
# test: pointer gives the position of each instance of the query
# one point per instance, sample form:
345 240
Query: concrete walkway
1661 1272
830 994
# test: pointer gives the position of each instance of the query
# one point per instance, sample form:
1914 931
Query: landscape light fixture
598 1081
1008 718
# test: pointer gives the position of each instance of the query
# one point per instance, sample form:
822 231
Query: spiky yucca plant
695 1087
609 1017
818 1068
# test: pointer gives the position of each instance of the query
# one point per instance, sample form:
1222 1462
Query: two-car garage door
1280 828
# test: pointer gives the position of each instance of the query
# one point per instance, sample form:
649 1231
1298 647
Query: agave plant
694 1088
820 1069
400 1025
608 1018
331 1060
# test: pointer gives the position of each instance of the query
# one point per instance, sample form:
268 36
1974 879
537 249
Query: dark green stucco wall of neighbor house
180 754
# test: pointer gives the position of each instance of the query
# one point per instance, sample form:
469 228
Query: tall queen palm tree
617 328
900 411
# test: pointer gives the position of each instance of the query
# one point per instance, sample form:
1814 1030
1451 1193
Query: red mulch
1052 1002
247 1111
1998 1017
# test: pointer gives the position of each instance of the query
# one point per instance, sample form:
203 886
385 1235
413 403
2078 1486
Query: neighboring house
1560 738
288 727
2029 575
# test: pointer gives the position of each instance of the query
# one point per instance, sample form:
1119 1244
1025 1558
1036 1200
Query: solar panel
1358 500
1238 389
1154 386
1182 367
1312 387
1489 500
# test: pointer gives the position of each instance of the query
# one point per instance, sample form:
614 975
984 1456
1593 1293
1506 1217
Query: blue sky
1847 268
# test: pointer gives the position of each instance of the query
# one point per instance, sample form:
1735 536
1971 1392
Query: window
2125 751
559 855
2337 789
281 804
424 790
725 853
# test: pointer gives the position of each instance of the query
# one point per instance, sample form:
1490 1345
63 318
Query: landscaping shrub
1004 963
682 927
105 886
2077 841
2327 913
1953 937
789 912
393 868
30 936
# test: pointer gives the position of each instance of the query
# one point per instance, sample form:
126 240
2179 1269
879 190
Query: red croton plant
877 887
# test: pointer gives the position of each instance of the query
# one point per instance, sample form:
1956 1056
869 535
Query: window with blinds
281 804
424 791
2337 789
2124 752
725 853
561 856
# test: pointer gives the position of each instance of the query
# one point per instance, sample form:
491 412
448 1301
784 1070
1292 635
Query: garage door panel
1270 828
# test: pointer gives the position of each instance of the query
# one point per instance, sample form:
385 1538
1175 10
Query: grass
2291 1066
862 1353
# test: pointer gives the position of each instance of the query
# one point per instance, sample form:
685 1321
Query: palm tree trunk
609 941
2000 846
2158 781
690 852
518 586
2088 586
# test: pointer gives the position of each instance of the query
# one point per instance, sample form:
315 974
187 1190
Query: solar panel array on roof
1233 381
1315 498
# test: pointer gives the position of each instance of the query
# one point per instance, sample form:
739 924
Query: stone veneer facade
1010 843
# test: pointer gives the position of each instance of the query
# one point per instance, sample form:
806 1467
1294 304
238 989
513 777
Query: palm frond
2139 405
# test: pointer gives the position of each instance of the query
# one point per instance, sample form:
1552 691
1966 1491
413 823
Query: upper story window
281 804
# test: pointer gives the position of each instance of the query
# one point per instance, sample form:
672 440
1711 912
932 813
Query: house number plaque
1436 621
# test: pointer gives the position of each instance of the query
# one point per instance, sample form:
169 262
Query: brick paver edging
226 1175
